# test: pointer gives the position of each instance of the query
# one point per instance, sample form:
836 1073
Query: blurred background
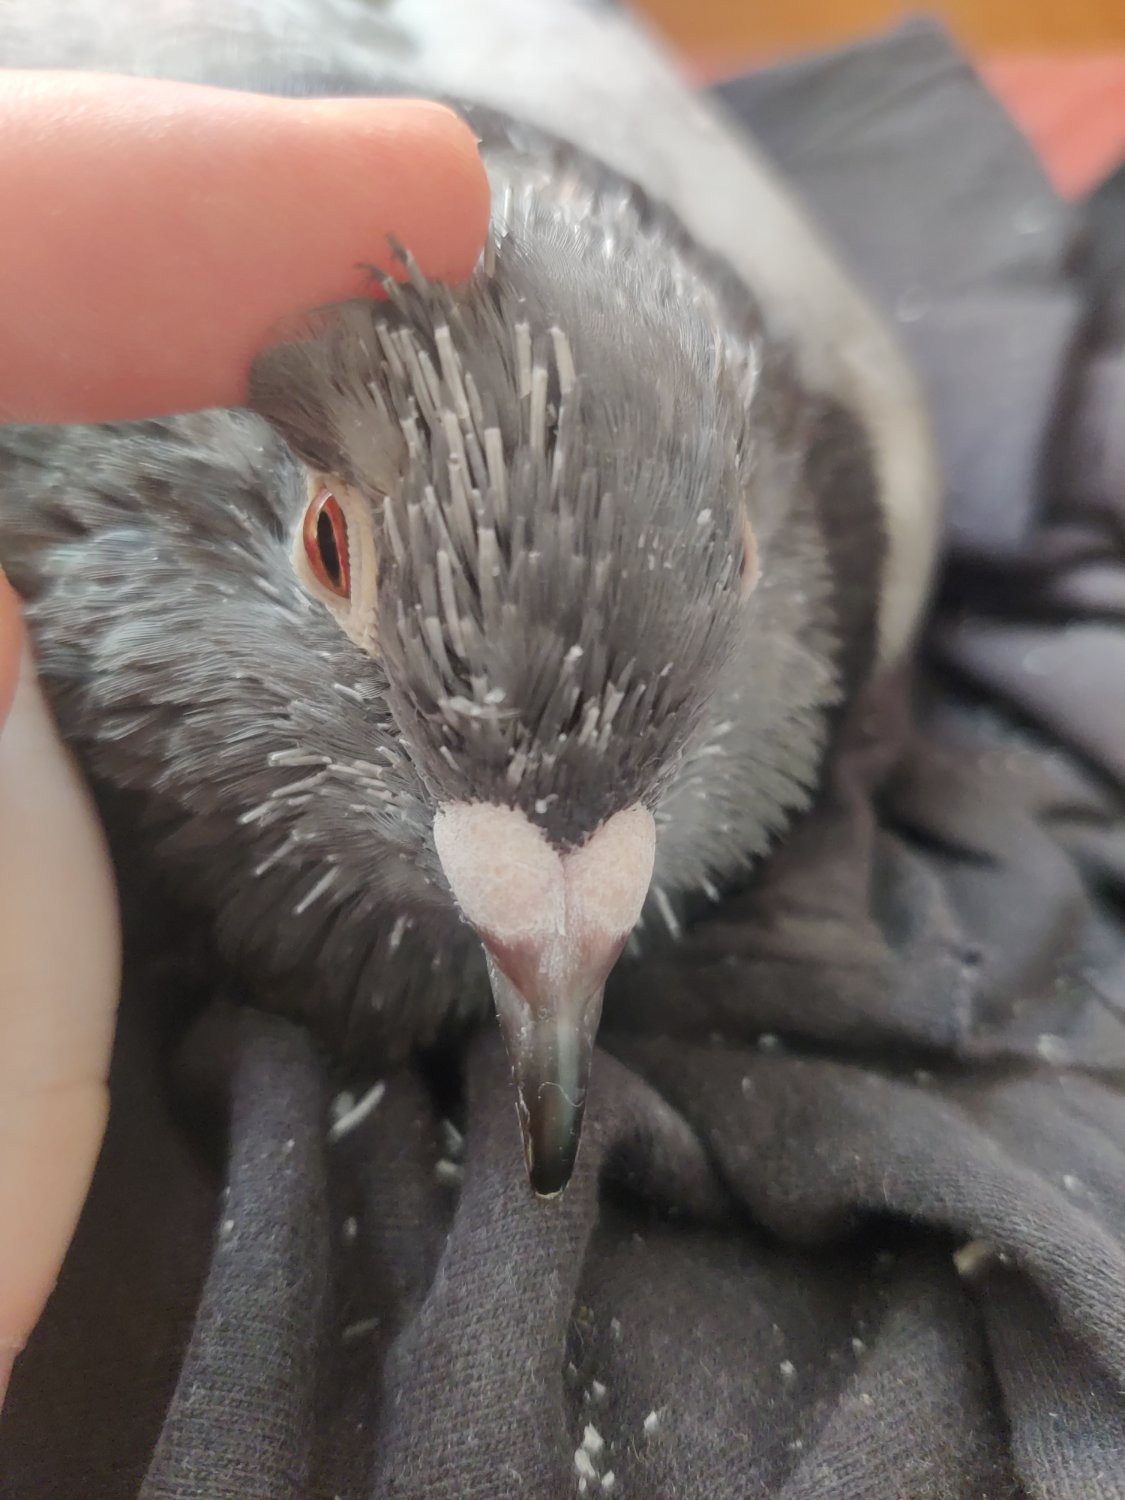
1058 65
710 28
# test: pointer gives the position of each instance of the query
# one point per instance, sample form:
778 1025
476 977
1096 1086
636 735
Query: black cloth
849 1218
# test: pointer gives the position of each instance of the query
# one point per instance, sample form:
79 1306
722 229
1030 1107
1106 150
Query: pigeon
505 629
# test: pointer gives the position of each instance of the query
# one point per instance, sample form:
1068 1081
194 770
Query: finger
59 975
10 636
155 233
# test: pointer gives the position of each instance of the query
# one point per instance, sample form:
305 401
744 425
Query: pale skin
154 235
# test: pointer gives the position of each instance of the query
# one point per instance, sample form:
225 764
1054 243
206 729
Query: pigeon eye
332 549
325 535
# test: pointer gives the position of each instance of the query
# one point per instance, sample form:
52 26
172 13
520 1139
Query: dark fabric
849 1218
943 214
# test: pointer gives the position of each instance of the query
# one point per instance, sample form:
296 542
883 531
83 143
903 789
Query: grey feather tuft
558 457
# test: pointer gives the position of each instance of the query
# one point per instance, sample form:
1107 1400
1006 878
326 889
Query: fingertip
461 183
401 170
200 218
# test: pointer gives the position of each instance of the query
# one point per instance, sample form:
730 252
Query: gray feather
557 457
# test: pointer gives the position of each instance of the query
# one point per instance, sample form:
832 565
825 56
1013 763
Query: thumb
10 637
59 974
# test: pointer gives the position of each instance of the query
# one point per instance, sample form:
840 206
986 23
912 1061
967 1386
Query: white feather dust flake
584 1464
449 1173
592 1440
398 931
1052 1049
346 1121
587 1457
973 1258
358 1330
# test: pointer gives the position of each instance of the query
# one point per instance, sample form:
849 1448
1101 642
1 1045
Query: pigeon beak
549 1023
553 925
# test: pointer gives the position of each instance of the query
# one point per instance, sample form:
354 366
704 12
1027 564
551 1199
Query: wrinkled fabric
849 1216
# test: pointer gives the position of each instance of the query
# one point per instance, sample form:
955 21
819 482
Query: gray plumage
557 459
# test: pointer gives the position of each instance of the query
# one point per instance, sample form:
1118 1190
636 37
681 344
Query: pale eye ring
750 570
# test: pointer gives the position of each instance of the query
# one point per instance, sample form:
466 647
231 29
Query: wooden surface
710 29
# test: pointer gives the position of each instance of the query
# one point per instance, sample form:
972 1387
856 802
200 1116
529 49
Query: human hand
154 235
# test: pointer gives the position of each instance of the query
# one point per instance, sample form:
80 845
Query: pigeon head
540 542
505 617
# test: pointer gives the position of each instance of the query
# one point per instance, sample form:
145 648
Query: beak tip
549 1152
549 1179
550 1050
544 1194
